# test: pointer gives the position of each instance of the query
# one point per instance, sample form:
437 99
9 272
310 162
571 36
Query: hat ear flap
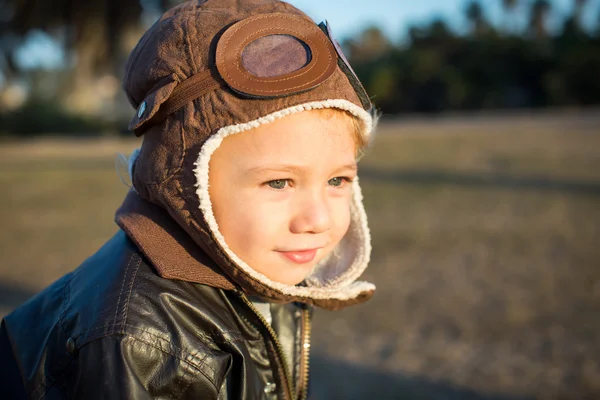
148 107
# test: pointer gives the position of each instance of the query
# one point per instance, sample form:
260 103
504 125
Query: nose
313 215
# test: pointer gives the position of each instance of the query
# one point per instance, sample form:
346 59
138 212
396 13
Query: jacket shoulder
119 292
115 302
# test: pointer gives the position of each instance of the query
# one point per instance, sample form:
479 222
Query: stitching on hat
242 24
142 44
283 79
237 50
189 47
181 154
316 59
188 44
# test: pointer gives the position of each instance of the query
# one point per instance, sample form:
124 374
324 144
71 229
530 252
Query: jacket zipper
304 355
288 381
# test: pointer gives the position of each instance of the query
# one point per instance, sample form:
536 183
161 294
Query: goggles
265 56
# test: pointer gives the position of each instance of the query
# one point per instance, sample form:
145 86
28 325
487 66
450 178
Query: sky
349 17
395 16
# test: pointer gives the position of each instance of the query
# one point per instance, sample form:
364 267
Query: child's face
281 192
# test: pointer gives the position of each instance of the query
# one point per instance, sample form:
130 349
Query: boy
246 212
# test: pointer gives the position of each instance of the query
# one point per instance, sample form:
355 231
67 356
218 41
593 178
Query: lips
300 256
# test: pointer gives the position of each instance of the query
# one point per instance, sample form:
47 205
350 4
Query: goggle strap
356 85
352 78
186 91
209 80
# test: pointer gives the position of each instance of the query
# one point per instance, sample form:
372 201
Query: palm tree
578 11
539 15
474 13
572 26
509 7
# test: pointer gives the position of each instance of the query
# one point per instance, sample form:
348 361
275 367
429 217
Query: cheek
341 216
248 225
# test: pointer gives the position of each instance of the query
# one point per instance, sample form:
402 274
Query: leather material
114 329
235 39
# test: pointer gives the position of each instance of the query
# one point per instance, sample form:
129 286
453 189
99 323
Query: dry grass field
486 235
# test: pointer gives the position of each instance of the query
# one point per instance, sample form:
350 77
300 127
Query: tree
371 43
572 26
476 17
578 8
439 30
509 7
97 34
538 18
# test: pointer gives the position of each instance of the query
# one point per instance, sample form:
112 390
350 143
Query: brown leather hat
208 69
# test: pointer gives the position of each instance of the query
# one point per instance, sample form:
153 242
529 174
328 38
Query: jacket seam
219 337
38 387
114 324
227 371
126 305
63 307
184 360
187 366
172 349
201 362
56 371
189 383
183 350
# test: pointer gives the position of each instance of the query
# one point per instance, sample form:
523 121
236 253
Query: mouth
300 256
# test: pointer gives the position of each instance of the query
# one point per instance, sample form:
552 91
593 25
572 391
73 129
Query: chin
290 280
293 275
282 270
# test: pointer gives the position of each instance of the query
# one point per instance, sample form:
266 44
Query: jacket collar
169 248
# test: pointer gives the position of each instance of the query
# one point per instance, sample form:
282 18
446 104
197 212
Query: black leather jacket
114 329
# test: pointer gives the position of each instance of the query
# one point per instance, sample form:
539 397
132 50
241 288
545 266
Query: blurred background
482 186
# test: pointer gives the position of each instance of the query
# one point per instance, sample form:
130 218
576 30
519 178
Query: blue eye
278 184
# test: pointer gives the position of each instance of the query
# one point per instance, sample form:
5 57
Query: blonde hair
359 135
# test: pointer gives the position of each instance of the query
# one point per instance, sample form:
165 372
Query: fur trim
126 163
132 158
334 277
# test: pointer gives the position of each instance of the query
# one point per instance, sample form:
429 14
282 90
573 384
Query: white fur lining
334 277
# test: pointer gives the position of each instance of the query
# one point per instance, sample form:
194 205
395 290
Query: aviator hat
212 68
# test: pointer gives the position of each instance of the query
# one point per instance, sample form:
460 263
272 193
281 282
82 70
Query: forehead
308 134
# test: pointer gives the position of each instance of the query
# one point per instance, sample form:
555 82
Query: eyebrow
296 169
